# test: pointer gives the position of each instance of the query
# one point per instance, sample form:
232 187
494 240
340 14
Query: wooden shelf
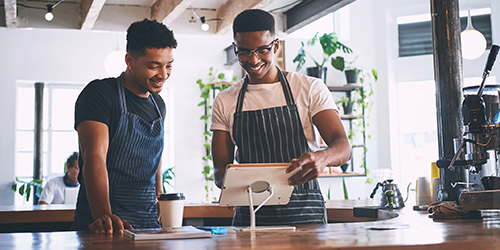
223 83
350 117
345 88
342 175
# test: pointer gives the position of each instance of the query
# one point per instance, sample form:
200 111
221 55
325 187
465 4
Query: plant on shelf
214 83
346 104
25 188
329 45
361 103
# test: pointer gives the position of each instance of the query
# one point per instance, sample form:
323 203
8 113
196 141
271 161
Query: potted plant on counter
330 45
26 187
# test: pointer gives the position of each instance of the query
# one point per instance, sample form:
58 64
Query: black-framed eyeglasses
245 54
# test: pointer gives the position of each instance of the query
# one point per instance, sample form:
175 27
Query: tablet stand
250 202
255 180
253 211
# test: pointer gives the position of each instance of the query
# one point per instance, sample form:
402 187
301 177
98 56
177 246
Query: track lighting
49 15
204 24
203 20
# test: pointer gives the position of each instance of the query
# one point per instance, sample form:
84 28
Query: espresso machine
460 177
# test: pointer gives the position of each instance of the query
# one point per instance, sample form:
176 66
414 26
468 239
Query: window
59 137
415 38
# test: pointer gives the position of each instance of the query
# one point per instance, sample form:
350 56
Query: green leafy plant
167 176
361 99
344 187
330 45
346 103
25 187
213 83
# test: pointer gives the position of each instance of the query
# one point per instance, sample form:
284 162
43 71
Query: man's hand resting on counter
107 224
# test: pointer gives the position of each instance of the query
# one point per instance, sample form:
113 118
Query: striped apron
132 162
275 135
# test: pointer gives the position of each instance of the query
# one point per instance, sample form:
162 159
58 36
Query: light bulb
205 27
473 44
114 63
49 16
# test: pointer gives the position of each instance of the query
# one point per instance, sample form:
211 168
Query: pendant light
114 63
203 20
49 16
472 41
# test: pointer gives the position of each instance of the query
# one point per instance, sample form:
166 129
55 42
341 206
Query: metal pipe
447 57
38 143
447 73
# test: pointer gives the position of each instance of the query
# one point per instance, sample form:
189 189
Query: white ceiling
118 14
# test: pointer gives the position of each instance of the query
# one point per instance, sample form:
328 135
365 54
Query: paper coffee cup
424 195
171 209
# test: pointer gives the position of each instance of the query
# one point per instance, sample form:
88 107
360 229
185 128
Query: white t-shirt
53 192
311 96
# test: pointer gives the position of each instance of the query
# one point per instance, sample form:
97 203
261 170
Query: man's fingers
94 228
117 224
309 176
295 179
97 226
127 225
108 224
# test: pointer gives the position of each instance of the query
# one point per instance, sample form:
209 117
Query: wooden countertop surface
411 229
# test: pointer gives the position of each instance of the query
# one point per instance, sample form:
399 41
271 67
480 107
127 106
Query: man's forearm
159 181
97 185
338 152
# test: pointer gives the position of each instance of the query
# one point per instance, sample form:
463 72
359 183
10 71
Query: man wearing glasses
273 117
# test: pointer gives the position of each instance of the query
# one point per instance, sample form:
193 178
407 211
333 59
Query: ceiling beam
309 11
231 8
90 12
166 11
10 13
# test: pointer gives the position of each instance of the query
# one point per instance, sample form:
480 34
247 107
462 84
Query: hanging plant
208 90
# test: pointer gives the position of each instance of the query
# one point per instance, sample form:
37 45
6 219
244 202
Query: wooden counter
411 229
43 218
65 213
46 218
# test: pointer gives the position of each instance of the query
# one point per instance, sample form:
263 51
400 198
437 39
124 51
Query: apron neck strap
284 84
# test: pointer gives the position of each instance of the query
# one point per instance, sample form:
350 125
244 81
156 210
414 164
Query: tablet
261 177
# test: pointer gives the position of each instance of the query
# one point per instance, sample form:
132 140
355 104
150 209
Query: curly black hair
146 34
253 20
70 162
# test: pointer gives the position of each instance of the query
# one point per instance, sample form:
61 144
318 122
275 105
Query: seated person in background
53 192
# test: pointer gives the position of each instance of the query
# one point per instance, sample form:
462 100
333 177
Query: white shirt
53 192
311 97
